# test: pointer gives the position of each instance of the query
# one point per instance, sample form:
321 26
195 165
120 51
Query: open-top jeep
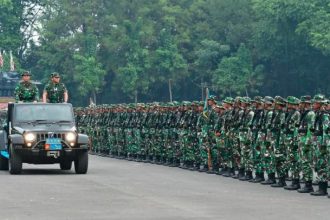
41 133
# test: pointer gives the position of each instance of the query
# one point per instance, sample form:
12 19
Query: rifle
209 159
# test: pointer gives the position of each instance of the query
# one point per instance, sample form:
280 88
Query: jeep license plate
53 144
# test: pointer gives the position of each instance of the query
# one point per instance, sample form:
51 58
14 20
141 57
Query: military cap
55 74
319 98
211 97
246 100
26 73
186 103
306 99
228 100
293 100
280 100
268 100
219 106
237 99
258 99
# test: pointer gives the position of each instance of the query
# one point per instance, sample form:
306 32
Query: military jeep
42 133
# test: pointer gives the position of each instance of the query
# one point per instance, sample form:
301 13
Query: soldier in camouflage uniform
277 141
321 143
26 91
245 138
55 91
292 142
305 143
267 148
219 136
228 160
258 138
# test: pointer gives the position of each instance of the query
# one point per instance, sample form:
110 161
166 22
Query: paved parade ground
120 189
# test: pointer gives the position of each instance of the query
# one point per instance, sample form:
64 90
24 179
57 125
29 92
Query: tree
236 74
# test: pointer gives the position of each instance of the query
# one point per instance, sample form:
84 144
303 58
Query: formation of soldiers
270 137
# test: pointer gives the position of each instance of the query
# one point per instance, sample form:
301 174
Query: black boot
294 185
307 188
259 178
230 172
203 168
222 171
281 183
248 176
323 187
270 180
240 173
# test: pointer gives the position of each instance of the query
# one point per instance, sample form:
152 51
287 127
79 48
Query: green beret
319 98
246 100
268 100
55 74
211 97
258 99
228 100
280 100
26 73
293 100
306 99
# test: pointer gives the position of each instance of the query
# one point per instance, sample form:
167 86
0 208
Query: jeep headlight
70 137
30 137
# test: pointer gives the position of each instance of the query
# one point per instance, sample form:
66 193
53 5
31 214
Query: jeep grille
44 136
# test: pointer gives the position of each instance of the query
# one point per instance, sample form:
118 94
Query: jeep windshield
43 113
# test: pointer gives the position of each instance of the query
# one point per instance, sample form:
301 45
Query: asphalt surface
119 189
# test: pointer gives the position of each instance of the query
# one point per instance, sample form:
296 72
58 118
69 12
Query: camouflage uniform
277 137
26 92
55 92
292 142
305 145
321 143
245 138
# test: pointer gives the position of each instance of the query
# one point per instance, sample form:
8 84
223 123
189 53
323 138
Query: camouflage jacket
26 92
55 92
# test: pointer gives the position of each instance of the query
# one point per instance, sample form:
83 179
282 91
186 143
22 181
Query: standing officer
55 91
25 90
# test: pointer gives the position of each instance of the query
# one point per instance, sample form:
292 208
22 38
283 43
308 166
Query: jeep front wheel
15 161
81 163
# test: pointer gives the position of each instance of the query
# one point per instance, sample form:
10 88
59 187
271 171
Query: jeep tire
15 161
81 162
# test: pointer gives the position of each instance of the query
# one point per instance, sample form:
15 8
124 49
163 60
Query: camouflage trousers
322 157
235 150
280 156
228 160
292 155
246 151
222 152
306 156
267 152
203 151
259 139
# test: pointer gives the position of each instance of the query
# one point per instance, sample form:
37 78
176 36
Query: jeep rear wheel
81 163
66 165
15 161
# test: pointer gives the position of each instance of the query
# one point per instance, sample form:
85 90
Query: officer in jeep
25 90
55 91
